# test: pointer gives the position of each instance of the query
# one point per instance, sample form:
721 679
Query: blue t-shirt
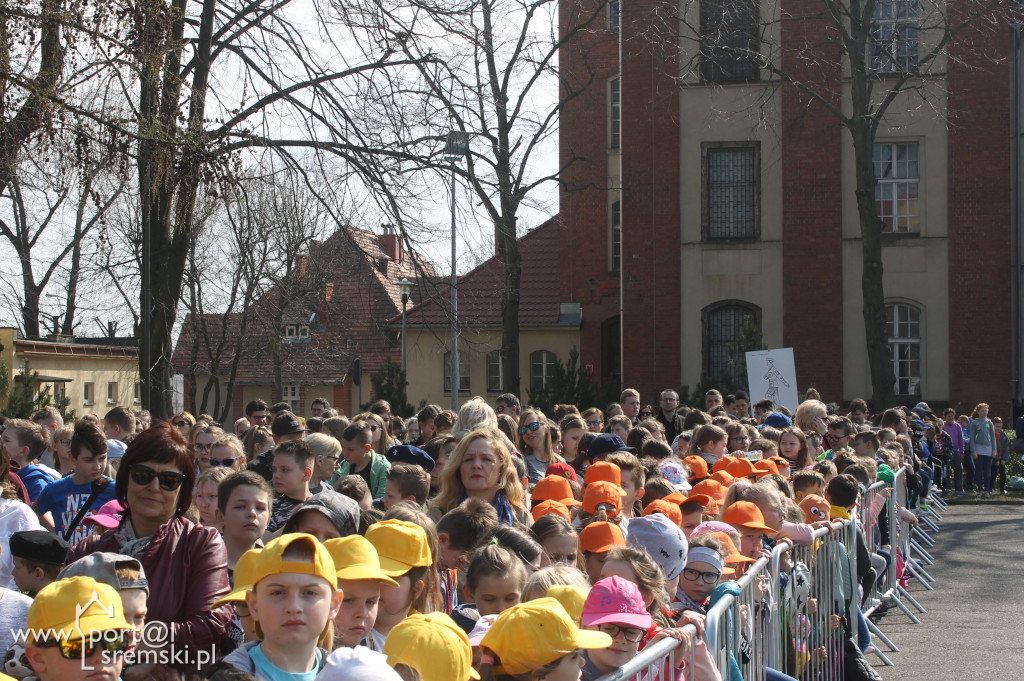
34 479
63 499
266 668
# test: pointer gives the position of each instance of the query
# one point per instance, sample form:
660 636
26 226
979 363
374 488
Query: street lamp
456 145
405 286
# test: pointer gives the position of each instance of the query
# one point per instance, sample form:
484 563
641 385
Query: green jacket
379 467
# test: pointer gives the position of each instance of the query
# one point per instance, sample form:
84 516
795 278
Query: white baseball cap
357 664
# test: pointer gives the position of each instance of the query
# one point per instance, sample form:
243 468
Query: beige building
96 374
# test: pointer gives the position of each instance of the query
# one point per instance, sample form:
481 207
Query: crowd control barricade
738 628
656 662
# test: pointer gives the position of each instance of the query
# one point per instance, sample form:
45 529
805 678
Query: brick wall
980 220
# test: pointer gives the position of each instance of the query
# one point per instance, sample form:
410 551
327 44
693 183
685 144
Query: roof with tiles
480 290
356 293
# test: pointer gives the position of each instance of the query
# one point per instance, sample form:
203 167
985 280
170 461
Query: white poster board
772 376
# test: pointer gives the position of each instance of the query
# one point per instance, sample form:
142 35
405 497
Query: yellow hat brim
589 640
238 594
367 572
89 624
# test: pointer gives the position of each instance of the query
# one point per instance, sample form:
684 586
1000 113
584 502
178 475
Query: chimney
111 333
325 303
391 243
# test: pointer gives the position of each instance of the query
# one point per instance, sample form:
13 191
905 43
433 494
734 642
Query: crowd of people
496 543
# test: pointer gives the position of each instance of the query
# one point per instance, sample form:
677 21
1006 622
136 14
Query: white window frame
112 390
545 359
89 393
902 320
898 186
493 367
291 393
895 36
615 113
463 372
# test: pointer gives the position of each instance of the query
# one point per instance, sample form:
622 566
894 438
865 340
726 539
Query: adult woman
594 419
473 415
183 422
186 565
535 444
378 436
481 467
382 409
982 435
811 417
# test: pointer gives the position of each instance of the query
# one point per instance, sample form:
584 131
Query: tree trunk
875 336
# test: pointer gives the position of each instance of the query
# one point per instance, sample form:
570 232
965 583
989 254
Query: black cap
411 455
287 423
39 546
606 444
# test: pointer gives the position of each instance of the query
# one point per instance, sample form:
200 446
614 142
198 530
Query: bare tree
853 59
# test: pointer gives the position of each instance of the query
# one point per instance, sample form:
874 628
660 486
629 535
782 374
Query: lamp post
456 145
405 286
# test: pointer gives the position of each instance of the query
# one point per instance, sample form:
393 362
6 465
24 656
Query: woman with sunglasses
535 444
186 564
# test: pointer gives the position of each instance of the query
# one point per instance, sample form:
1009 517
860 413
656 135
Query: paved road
973 629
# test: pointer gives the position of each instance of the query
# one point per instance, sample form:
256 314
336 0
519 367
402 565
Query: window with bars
463 372
730 46
897 177
894 36
616 236
542 363
494 373
615 113
732 190
725 325
904 329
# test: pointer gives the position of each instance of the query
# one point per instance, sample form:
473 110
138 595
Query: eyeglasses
112 641
180 424
631 634
224 462
500 408
706 577
143 475
832 438
646 414
66 443
530 427
739 437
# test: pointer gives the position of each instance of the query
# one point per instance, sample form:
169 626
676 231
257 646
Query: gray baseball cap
103 568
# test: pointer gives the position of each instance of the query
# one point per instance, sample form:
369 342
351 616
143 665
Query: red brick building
706 197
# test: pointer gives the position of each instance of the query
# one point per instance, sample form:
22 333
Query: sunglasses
646 414
143 475
180 424
530 428
224 462
81 649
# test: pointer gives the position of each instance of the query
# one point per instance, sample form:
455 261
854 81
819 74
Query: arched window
542 362
731 328
904 329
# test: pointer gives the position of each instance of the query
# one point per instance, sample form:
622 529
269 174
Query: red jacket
186 566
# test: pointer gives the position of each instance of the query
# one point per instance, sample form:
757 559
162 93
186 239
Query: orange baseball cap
605 494
722 464
723 477
733 554
746 514
698 466
711 487
550 506
667 509
675 498
554 487
741 468
781 462
603 470
765 467
601 537
704 500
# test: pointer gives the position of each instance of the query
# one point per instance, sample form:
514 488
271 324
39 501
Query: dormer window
294 332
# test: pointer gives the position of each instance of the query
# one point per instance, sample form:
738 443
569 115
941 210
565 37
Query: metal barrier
657 661
738 628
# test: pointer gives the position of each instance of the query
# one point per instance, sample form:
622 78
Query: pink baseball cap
108 515
613 600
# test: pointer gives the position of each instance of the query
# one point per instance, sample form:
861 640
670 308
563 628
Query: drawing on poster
772 376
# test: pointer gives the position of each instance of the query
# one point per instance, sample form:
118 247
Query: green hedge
1016 466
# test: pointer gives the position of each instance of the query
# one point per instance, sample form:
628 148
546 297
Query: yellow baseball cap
400 545
530 635
270 560
244 570
572 599
433 645
356 558
70 609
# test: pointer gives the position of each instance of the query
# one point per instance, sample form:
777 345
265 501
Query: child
327 453
710 443
553 488
119 428
355 488
602 502
293 466
25 442
357 664
406 482
206 494
596 540
431 647
560 542
404 554
806 483
360 580
614 607
633 477
827 470
325 515
538 639
666 544
460 532
494 583
243 512
38 558
705 565
123 573
61 503
748 520
361 460
13 614
69 610
227 451
692 511
242 628
793 448
293 600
